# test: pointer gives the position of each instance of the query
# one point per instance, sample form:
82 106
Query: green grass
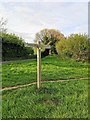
52 69
54 100
68 99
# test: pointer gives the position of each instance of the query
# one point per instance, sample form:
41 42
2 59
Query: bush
75 46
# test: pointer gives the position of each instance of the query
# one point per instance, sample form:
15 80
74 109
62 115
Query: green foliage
13 47
75 46
12 39
29 50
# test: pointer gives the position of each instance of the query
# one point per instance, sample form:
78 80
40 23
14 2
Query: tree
49 37
3 25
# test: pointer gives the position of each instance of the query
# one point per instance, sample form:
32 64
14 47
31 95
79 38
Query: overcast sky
26 18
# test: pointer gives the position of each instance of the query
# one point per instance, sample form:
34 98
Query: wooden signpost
38 45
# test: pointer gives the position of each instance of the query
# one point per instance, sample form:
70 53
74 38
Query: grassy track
52 69
68 99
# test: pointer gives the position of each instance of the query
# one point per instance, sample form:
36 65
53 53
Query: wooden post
38 65
38 45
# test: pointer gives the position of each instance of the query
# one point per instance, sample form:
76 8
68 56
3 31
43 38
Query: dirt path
16 61
52 81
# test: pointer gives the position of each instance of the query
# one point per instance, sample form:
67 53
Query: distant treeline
76 46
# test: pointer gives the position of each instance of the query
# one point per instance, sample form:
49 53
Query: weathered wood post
38 45
38 65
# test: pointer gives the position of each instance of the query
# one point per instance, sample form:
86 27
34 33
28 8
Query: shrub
75 46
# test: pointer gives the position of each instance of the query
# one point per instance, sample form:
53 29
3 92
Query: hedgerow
13 47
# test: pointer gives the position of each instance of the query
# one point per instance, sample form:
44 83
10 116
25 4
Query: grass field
68 99
52 69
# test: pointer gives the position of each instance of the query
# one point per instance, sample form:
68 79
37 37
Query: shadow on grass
47 99
45 90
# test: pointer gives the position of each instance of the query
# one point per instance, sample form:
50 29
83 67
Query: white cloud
27 18
83 28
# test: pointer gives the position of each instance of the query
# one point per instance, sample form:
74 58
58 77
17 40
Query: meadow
24 72
68 99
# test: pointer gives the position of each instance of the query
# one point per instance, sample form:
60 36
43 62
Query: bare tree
3 23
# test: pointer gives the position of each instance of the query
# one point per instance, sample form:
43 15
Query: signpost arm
38 65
